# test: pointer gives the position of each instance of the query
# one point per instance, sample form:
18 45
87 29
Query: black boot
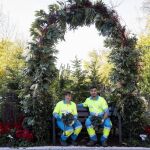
63 143
74 143
104 144
91 143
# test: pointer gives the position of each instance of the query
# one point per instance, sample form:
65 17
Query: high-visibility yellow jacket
63 107
98 105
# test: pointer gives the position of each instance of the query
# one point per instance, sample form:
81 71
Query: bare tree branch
115 4
146 6
7 29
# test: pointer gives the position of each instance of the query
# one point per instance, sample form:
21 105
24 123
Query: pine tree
92 67
64 80
79 87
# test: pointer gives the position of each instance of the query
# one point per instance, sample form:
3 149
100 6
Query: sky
81 41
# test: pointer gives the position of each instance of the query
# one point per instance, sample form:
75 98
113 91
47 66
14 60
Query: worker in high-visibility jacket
73 130
97 106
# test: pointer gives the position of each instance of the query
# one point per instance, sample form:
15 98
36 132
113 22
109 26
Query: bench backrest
83 113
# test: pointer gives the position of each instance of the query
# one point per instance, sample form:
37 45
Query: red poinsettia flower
147 130
7 127
24 134
19 134
28 135
2 129
18 126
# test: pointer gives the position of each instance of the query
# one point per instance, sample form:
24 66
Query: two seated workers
97 107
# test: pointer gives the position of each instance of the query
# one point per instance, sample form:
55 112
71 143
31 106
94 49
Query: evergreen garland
48 29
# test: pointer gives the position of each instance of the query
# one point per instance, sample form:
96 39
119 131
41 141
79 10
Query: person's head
68 96
93 91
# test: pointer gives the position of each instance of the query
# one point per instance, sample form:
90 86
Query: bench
83 113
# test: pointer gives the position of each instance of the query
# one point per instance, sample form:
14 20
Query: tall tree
99 68
11 62
146 6
64 80
79 87
7 28
144 45
146 9
92 66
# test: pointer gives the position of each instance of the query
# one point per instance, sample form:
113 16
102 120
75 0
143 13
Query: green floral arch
49 28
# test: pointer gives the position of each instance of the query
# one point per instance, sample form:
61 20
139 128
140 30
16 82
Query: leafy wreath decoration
49 28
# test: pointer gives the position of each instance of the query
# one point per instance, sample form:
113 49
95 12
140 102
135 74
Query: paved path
76 148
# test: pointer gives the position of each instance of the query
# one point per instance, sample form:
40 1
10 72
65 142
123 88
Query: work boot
104 144
91 143
74 143
63 143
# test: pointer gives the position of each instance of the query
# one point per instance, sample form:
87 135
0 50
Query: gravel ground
76 148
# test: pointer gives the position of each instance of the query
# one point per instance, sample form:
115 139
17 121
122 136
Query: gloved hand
71 123
57 116
75 118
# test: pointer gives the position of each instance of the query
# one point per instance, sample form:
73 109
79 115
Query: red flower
147 130
19 134
24 134
18 126
7 127
28 135
2 129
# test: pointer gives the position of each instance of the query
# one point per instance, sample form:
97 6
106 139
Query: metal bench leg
54 131
120 129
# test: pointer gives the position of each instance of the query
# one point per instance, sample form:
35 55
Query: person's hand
57 116
92 114
72 123
102 121
75 118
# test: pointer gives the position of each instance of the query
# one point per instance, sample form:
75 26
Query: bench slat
83 114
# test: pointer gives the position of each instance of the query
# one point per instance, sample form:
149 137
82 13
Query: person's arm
105 115
81 105
75 113
105 110
56 112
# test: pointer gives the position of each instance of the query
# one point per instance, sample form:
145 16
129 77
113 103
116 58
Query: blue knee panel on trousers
107 123
88 122
77 124
63 127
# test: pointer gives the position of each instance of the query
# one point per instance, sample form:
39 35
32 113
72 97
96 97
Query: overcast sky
78 42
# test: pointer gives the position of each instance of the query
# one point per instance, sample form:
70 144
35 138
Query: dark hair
93 87
67 93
